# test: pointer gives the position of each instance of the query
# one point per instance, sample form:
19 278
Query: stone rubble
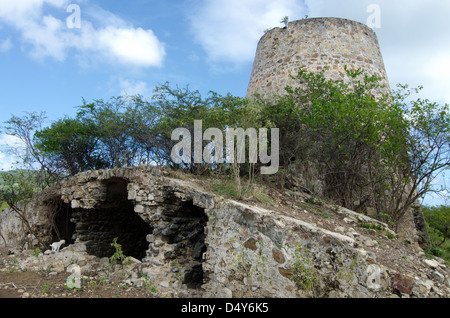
201 245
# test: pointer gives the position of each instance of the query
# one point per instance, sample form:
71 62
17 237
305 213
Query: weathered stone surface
431 263
317 44
403 284
438 276
195 239
287 273
377 278
372 212
422 288
251 244
278 256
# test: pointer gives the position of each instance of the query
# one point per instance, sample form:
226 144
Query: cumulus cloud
132 87
413 38
7 162
9 145
5 45
101 36
229 30
131 46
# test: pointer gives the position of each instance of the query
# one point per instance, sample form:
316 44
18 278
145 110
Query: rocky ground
26 274
37 274
415 273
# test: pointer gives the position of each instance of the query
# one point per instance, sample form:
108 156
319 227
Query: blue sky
129 47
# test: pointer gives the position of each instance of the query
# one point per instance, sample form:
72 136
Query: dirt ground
16 283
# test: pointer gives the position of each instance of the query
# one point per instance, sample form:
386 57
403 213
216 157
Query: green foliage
112 124
348 130
45 287
341 127
369 226
438 223
118 254
17 186
36 252
126 131
71 144
382 150
438 217
390 236
304 273
427 150
379 150
224 188
4 206
314 201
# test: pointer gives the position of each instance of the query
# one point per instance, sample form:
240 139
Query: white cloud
25 13
131 46
10 141
5 45
413 37
112 39
8 146
436 73
229 30
131 87
7 162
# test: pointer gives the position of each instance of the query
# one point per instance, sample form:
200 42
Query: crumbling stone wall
152 221
253 252
195 239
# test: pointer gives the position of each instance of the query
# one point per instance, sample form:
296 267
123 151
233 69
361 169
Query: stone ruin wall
183 236
316 44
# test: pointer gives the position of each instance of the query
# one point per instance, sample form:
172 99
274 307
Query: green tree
30 157
180 107
427 151
438 218
16 191
342 127
113 124
72 146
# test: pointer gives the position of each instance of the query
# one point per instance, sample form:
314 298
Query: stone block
139 208
75 204
431 263
403 284
372 212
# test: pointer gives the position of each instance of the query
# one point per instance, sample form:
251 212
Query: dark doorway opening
63 227
186 231
114 218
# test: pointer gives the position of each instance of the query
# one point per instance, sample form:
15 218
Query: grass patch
228 189
224 188
314 201
369 226
4 206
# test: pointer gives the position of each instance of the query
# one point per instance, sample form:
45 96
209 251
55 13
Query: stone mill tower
314 44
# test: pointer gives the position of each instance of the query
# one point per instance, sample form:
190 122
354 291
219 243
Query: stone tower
319 44
314 44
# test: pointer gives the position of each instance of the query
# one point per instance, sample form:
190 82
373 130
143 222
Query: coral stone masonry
316 44
191 242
